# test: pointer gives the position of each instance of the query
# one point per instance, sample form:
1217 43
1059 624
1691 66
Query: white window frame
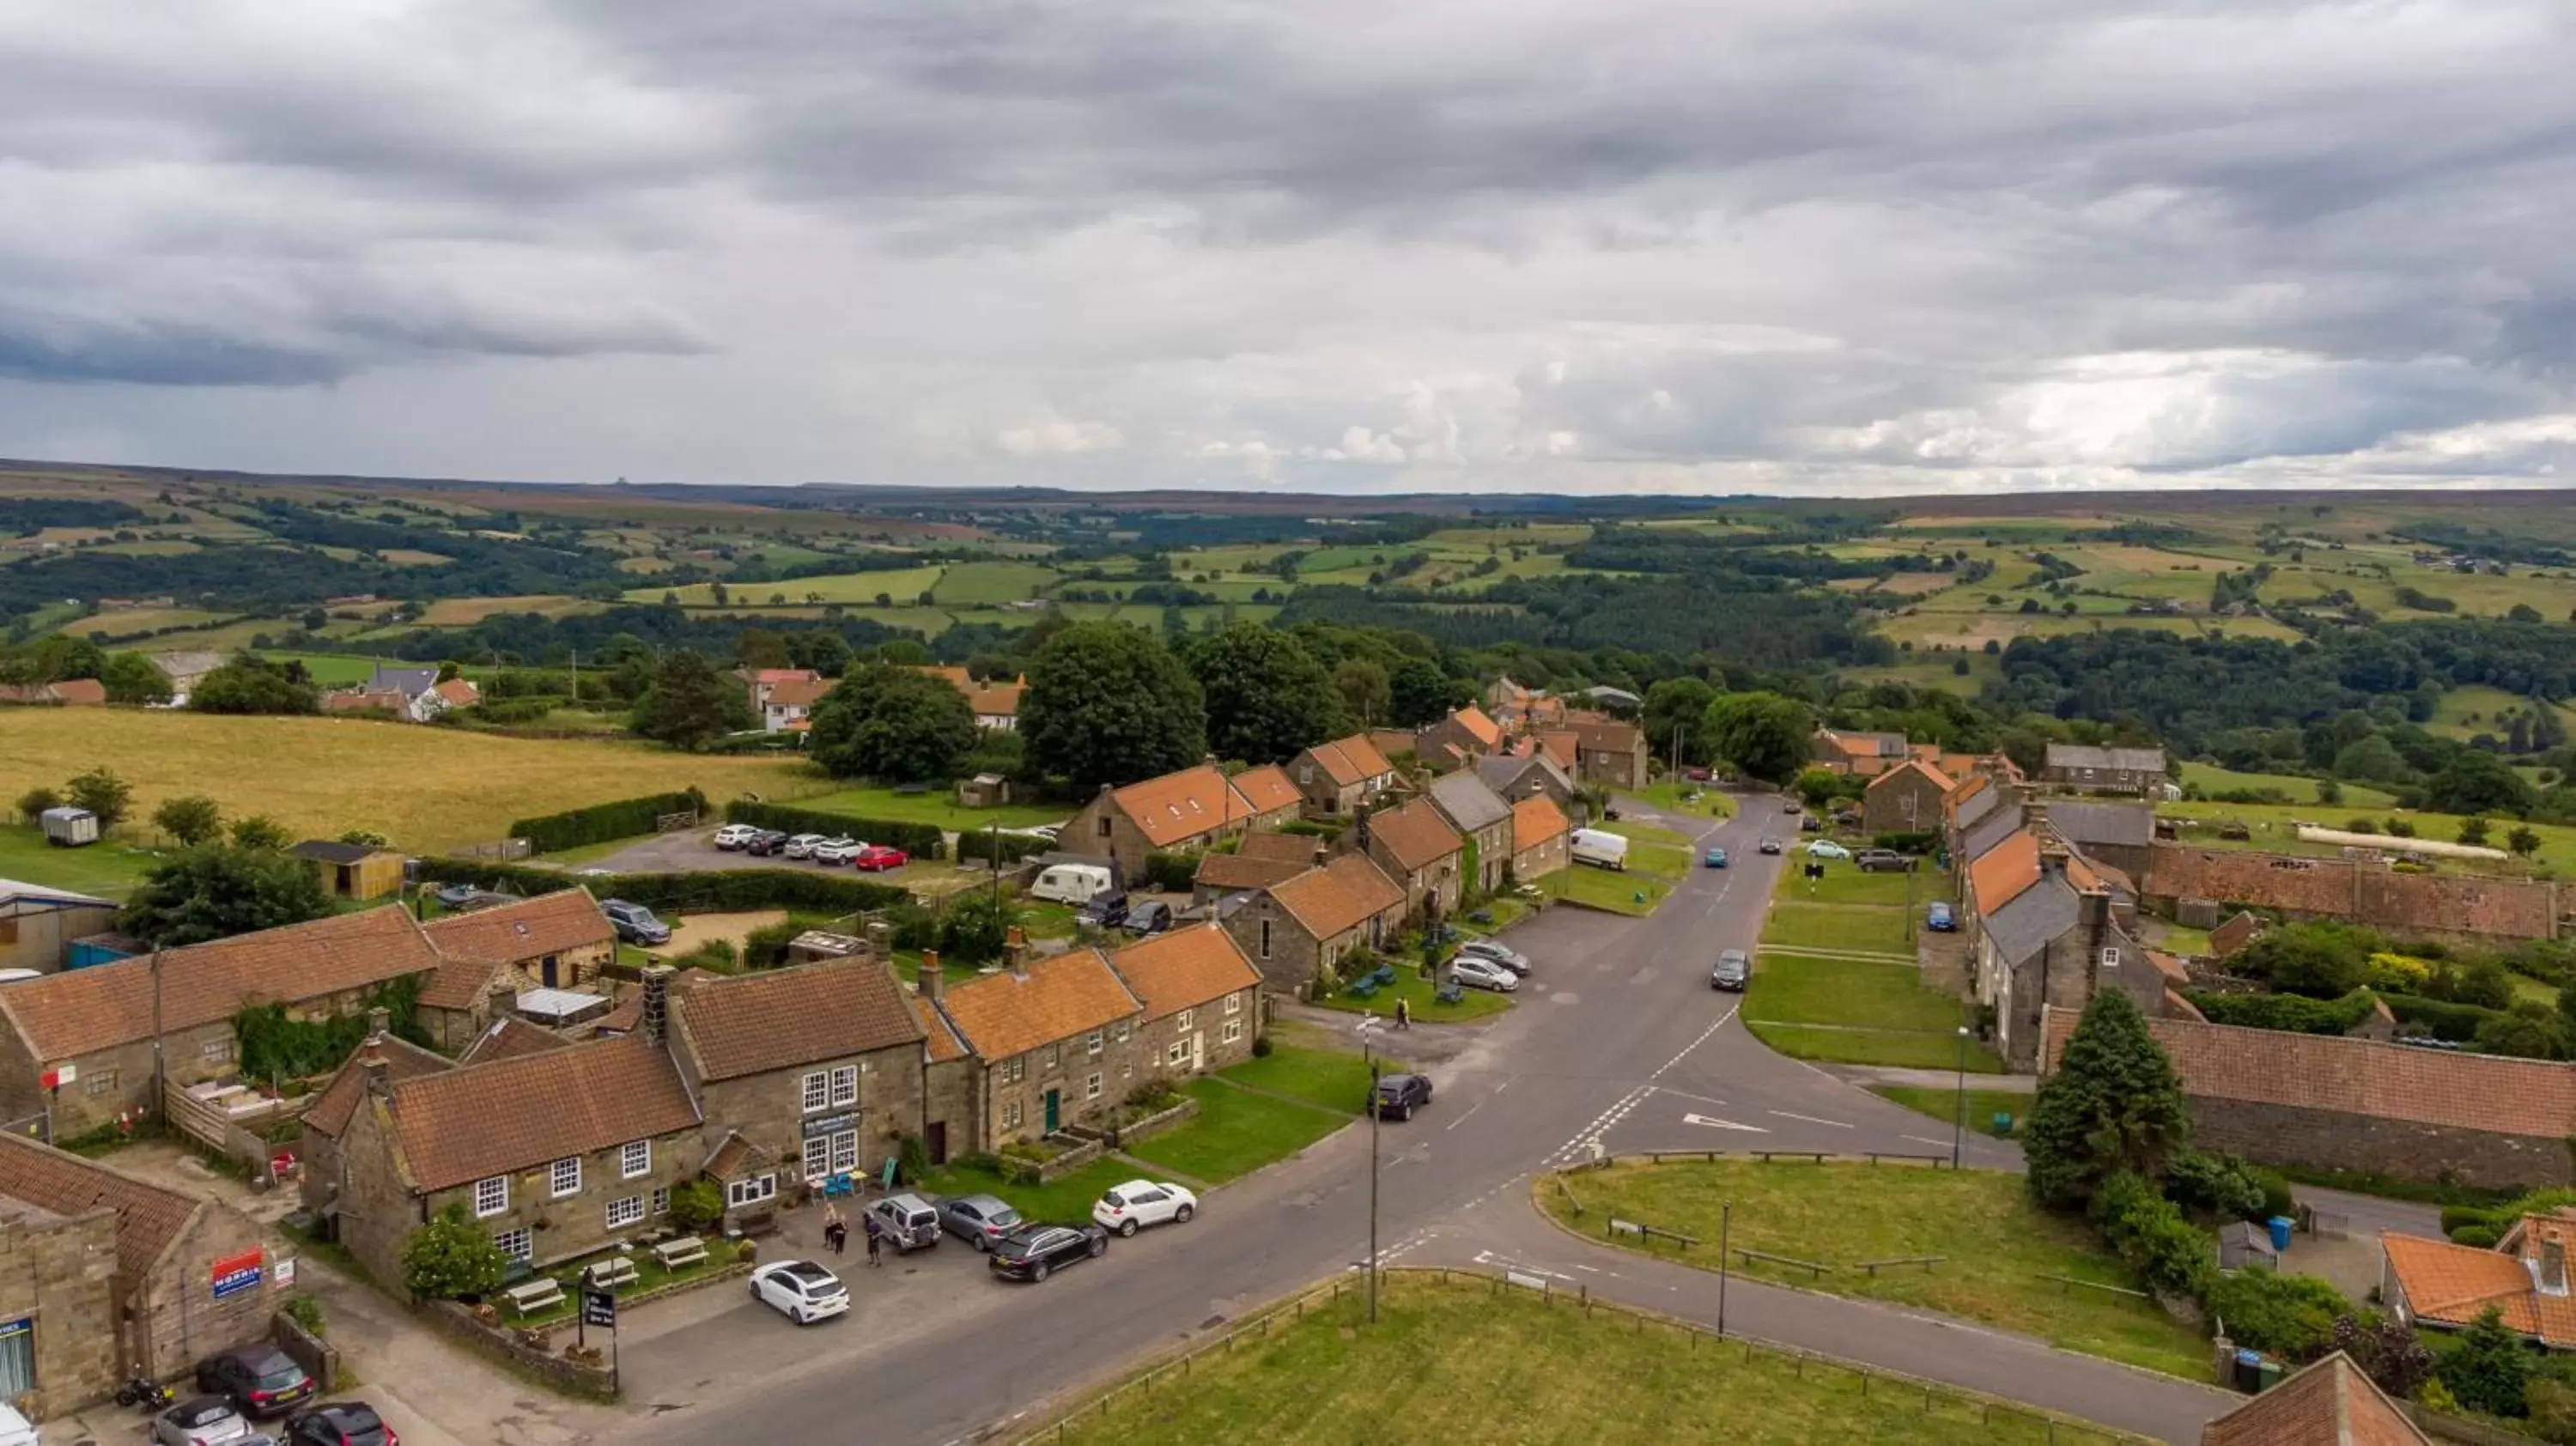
1093 1043
1233 1031
814 1092
1178 1054
1014 1114
1015 1069
845 1086
1052 1058
661 1199
845 1153
626 1212
215 1051
516 1244
815 1157
1091 1087
753 1191
2110 958
1234 1004
556 1173
491 1197
1122 1032
1186 1016
635 1158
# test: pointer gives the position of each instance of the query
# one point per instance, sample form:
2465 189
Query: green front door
1053 1098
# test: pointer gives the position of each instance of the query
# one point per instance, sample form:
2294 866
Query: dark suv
1401 1094
767 842
1734 970
258 1380
1884 861
634 923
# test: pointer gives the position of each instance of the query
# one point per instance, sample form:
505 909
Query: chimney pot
931 983
379 1022
880 940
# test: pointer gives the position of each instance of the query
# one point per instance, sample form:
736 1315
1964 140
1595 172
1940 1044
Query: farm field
2466 712
125 622
968 583
904 585
2210 778
2272 828
458 612
426 788
109 868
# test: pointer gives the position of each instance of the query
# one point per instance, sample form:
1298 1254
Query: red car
876 858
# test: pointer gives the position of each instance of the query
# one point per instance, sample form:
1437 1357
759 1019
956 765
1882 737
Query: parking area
692 851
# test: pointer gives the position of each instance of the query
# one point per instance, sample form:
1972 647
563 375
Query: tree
1365 688
449 1257
2473 832
2490 1369
2114 1104
761 648
132 678
1267 698
36 800
1818 787
2522 841
252 684
900 725
689 704
2329 792
2319 961
259 831
2371 760
1419 693
192 819
975 926
2386 1351
1109 704
2476 781
1763 734
1678 708
214 892
102 793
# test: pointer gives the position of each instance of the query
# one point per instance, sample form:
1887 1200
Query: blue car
1939 920
1715 858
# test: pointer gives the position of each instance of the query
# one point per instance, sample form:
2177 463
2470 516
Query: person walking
836 1234
1403 1014
874 1230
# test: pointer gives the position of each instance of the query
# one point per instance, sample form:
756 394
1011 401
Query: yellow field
127 621
904 586
1903 584
461 612
425 788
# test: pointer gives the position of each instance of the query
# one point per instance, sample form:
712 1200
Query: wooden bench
611 1274
536 1295
679 1254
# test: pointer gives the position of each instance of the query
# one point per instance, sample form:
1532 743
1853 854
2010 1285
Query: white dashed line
1925 1140
1811 1119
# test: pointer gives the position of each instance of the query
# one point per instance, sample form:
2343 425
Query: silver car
1498 953
201 1421
801 846
979 1220
1482 973
905 1222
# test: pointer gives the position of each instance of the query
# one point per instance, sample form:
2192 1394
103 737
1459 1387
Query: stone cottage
1484 819
1301 930
1054 1043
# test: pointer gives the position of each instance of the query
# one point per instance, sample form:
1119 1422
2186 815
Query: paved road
1618 1041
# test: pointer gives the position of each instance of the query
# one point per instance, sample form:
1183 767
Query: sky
1589 246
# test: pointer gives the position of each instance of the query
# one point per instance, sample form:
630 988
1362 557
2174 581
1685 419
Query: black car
1032 1252
1401 1094
1150 917
258 1380
767 843
342 1423
1106 912
1734 969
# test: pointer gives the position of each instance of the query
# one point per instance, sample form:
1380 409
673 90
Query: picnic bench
1367 985
616 1272
1450 993
681 1253
538 1294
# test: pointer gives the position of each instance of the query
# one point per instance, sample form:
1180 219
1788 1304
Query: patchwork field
904 585
457 612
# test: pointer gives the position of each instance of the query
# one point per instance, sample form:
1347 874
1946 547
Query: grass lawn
1794 989
1666 798
1996 1243
108 868
939 806
1458 1361
1411 987
1843 1044
1653 849
1236 1133
1847 884
1605 889
2210 778
1983 1105
1850 927
425 788
1068 1200
1326 1077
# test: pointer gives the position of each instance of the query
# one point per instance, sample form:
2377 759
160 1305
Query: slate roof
13 891
148 1217
1267 789
516 1114
1467 803
1338 897
1415 836
1508 776
2106 760
2117 825
410 682
2031 919
555 923
783 1018
2002 872
63 1016
1974 798
1184 969
1989 831
509 1037
1008 1014
192 664
1181 806
329 1113
1351 760
2327 1403
1535 820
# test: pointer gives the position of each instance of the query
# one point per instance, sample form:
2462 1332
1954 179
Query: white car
1139 1203
733 836
1824 848
1482 973
800 1290
1503 954
837 851
801 846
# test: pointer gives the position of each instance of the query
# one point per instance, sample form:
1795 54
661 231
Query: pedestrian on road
874 1230
1403 1015
836 1233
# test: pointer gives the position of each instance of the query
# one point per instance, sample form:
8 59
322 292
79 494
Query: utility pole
1372 1255
1959 1112
1725 1213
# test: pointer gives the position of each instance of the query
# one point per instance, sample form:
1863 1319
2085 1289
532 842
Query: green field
1995 1247
1943 1105
108 868
2272 828
1470 1361
968 583
2466 712
903 585
938 805
1236 1133
2210 778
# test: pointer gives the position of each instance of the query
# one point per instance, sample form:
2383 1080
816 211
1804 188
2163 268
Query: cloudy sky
1586 245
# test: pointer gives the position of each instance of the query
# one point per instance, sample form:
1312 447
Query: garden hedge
2293 1013
920 840
1170 873
983 843
2455 1022
724 891
602 822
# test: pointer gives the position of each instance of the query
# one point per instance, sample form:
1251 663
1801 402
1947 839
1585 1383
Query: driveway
691 851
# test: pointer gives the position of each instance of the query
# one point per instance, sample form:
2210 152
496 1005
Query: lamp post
1725 1210
1959 1115
1373 1114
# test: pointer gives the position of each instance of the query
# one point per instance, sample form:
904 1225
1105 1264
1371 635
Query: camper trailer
1075 884
70 827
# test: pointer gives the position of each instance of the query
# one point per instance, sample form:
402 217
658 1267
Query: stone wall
1161 1122
1087 1086
61 1274
2456 906
319 1358
2399 1149
1276 944
949 1098
768 1109
181 1321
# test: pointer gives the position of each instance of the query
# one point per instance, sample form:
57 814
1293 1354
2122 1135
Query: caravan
1600 849
1075 884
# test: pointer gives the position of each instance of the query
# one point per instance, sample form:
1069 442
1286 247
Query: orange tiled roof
800 692
1608 735
329 1113
782 675
553 923
2007 869
148 1217
1535 820
940 1036
1558 745
63 1016
1473 719
1181 806
81 692
1006 1014
1351 760
2331 1402
458 693
510 1115
1918 768
1415 836
1294 848
509 1037
1185 969
2454 1284
1338 897
1968 788
1266 789
1248 871
996 700
783 1018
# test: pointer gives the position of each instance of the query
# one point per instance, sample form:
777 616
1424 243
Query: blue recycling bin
2280 1225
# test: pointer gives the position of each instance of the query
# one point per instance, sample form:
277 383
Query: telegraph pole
1372 1255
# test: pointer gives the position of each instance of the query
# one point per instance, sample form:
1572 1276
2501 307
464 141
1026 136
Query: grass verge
1411 987
1236 1133
1864 929
1325 1077
1634 894
1842 1044
1942 1105
1997 1246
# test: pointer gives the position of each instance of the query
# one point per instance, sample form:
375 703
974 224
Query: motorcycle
148 1395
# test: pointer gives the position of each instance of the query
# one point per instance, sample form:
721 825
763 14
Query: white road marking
1925 1140
1487 1257
1811 1119
1724 1124
1687 1095
1462 1119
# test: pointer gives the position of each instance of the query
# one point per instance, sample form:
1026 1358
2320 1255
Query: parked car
801 846
1033 1252
1105 912
1401 1094
1478 972
1733 971
1791 808
1811 824
1503 954
1939 919
262 1380
1770 846
1714 858
768 842
907 1221
341 1423
1885 861
1138 1203
200 1421
800 1290
733 836
835 851
1150 917
1825 848
877 858
979 1220
635 924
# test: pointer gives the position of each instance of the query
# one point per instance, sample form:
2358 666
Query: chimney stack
880 939
1015 950
931 981
1323 853
380 1079
379 1023
655 1021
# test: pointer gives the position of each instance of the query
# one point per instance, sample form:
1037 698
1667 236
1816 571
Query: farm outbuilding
353 871
38 924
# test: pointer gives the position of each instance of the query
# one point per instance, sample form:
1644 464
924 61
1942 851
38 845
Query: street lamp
1373 1114
1959 1116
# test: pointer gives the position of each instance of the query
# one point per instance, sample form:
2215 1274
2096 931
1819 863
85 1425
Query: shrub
36 800
305 1311
1013 847
601 822
697 1205
451 1257
2490 1370
975 927
2291 1316
920 840
2397 972
2290 1013
2213 1184
1169 873
2479 1237
1261 1046
2455 1022
2387 1351
2150 1235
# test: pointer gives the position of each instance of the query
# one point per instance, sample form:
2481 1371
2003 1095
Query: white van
1600 849
1075 884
